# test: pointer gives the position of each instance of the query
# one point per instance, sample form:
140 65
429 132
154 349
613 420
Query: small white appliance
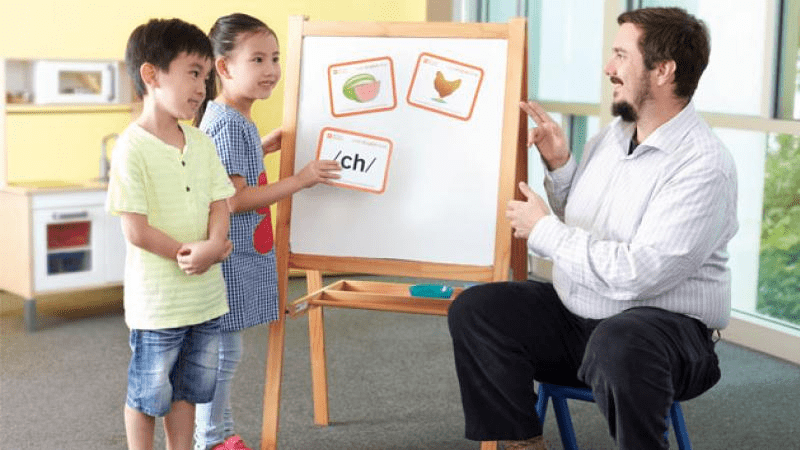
75 82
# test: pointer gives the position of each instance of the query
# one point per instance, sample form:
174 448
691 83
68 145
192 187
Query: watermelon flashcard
360 87
364 158
445 86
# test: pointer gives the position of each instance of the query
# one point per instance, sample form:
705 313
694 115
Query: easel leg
272 388
489 445
319 370
316 336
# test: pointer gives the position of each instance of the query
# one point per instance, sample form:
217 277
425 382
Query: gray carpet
392 386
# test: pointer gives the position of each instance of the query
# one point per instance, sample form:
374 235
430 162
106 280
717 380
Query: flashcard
445 86
364 158
361 87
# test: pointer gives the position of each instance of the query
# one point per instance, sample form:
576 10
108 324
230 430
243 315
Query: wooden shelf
62 109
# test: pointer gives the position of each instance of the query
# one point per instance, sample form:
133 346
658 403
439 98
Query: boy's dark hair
223 37
672 34
159 42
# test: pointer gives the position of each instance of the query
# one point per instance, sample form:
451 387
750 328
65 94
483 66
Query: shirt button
183 163
187 189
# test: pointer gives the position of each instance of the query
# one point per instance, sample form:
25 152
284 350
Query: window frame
787 52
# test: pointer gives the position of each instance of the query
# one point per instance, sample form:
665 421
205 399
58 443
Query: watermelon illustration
361 88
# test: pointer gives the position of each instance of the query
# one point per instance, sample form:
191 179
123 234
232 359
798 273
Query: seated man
638 243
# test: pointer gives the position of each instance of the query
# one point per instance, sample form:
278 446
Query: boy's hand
319 171
271 142
195 258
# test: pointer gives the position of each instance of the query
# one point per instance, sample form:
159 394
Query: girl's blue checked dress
250 272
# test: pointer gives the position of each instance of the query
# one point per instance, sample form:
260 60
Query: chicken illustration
444 87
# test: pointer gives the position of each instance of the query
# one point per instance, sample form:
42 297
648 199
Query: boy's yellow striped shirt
174 189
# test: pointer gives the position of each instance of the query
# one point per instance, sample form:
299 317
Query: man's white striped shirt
646 229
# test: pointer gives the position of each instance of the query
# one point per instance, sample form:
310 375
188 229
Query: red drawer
71 234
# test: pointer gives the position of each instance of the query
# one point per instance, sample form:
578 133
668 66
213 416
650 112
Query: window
740 62
765 253
556 32
797 89
779 255
568 60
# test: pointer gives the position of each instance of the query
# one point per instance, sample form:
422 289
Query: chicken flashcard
359 87
445 86
364 158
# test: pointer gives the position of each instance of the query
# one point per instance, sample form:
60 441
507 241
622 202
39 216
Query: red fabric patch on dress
262 237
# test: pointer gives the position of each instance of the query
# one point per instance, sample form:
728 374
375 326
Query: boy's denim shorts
173 364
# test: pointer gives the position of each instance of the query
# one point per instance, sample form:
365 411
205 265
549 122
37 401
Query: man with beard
638 240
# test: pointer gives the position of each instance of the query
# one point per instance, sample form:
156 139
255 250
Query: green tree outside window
779 273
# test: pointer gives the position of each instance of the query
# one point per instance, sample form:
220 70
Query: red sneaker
232 443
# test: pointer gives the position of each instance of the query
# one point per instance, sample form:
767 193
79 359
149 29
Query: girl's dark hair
223 36
672 34
159 42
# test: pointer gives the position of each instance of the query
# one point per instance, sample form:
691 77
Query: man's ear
665 72
221 67
149 74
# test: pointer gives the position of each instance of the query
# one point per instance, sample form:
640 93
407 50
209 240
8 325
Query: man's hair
672 34
159 42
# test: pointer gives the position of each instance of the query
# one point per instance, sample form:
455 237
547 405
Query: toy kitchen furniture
57 237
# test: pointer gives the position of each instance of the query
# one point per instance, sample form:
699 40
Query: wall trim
762 338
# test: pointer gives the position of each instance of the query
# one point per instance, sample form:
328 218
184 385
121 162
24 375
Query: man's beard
625 109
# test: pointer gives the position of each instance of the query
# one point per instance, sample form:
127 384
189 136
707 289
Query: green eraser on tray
431 290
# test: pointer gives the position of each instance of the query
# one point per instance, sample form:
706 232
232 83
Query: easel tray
372 295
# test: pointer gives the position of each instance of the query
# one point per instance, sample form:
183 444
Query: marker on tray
431 290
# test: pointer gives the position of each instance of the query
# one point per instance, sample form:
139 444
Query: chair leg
541 402
679 425
564 423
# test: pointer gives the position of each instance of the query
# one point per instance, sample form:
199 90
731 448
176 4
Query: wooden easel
508 253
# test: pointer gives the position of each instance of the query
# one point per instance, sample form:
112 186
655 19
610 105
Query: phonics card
445 86
359 87
364 158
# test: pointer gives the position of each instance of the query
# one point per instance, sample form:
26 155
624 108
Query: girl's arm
271 142
248 198
138 232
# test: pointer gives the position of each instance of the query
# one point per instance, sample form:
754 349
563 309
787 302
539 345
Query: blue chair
560 394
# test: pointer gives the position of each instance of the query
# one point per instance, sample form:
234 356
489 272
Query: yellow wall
59 146
67 146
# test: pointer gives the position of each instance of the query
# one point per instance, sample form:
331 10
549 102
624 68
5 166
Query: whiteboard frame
514 33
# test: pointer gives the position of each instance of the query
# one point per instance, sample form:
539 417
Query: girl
246 62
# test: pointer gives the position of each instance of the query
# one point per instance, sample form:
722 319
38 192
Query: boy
169 188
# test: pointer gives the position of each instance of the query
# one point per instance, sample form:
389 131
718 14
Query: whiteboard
440 199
